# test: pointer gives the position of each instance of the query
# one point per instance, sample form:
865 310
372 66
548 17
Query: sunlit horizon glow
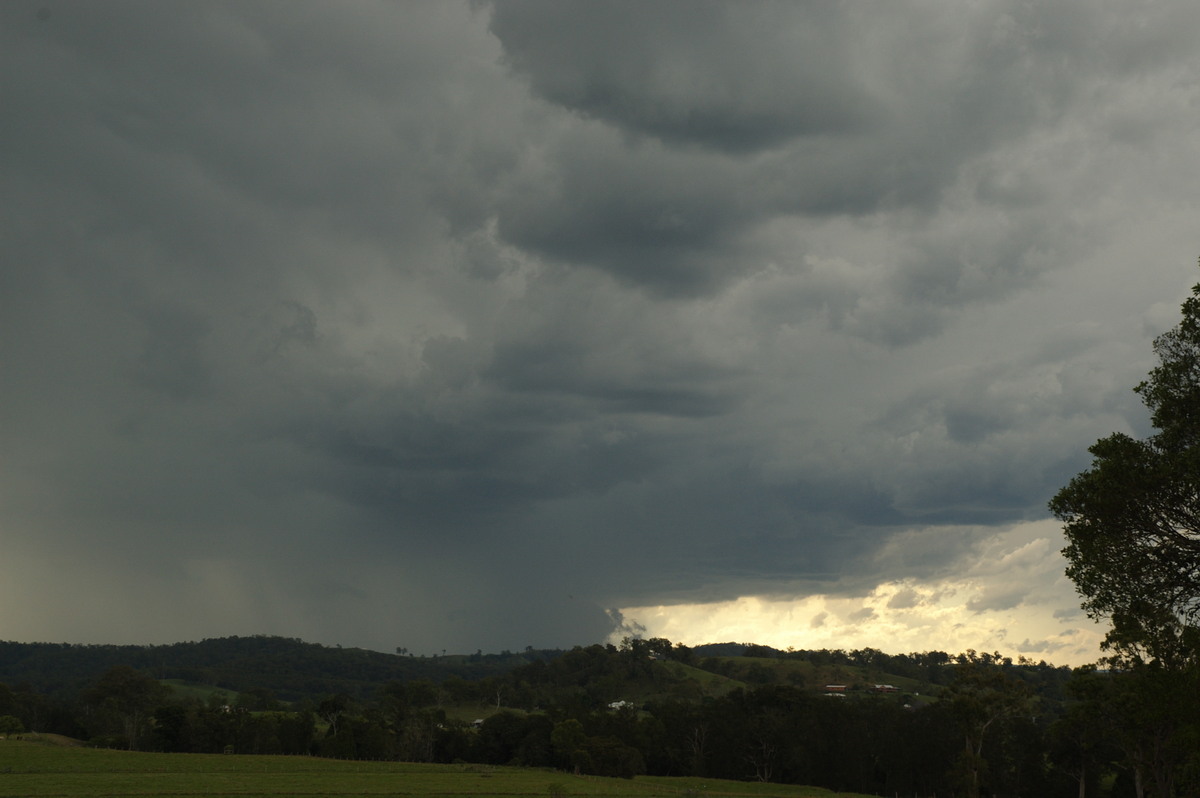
1036 617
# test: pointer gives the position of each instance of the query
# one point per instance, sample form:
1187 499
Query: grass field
45 767
201 692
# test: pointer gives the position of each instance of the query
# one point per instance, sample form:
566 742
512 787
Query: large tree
123 700
1132 519
983 696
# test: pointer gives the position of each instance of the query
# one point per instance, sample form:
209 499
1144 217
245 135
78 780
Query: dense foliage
915 724
290 668
1132 519
1132 522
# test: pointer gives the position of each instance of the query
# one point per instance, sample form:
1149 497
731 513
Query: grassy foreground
39 767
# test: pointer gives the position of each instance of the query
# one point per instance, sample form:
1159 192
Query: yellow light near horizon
1012 598
823 622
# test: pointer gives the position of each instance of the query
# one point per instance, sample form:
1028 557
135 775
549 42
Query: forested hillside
290 668
914 724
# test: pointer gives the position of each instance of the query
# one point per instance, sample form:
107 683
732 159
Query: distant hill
653 670
290 668
867 670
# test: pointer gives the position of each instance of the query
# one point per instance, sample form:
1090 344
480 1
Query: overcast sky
492 324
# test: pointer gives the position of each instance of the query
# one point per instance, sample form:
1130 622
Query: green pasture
202 692
35 767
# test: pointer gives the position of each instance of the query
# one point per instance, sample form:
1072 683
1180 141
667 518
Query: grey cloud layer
709 74
466 321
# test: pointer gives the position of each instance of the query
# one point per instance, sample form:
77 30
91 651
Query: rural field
48 766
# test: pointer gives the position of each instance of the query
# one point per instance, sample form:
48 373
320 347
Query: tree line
994 728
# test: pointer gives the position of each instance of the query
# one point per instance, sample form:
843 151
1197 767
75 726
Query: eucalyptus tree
1132 519
982 697
123 701
1132 522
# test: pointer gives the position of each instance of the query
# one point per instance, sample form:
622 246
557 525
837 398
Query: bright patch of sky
1013 599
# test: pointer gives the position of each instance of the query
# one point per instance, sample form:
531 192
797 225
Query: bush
10 725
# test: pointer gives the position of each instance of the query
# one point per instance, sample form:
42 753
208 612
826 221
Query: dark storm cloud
658 219
813 109
172 360
706 73
576 343
453 325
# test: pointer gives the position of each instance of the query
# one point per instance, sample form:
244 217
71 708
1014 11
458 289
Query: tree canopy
1132 519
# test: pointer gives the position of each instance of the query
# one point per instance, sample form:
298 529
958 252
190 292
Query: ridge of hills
291 670
289 667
